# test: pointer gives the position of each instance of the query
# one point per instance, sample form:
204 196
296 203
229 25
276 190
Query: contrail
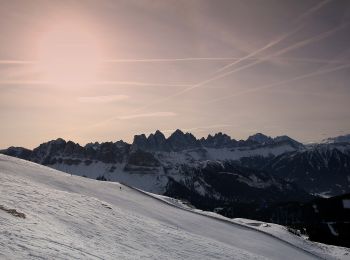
17 62
313 60
25 82
137 83
268 46
309 75
102 99
170 59
338 58
237 60
279 39
285 50
241 59
133 83
312 10
135 60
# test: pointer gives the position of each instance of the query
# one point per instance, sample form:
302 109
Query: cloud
138 83
171 59
131 83
155 114
17 62
102 99
161 60
199 128
25 82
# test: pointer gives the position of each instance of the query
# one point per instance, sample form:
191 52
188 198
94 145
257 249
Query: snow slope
70 217
322 250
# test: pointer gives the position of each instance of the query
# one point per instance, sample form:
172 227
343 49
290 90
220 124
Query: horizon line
147 134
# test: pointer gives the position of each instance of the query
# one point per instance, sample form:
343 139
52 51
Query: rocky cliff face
48 153
205 168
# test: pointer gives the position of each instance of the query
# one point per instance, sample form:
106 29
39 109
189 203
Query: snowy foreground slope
70 217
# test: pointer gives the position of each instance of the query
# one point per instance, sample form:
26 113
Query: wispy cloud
155 60
17 62
25 82
131 83
171 59
138 83
102 99
155 114
199 128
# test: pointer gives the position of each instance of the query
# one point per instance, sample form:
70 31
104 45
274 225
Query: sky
103 70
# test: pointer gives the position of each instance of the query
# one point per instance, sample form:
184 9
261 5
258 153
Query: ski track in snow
70 217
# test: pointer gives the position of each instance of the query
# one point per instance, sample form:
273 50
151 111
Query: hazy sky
99 70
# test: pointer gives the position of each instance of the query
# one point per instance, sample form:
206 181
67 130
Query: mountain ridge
217 140
182 166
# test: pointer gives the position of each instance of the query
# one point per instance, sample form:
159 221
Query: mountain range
216 173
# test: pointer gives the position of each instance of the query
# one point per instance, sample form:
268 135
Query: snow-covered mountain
338 139
178 148
152 162
47 214
322 169
211 172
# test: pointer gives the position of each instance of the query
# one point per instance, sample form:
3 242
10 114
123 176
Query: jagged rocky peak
140 138
260 139
121 144
157 141
288 140
72 148
93 146
154 142
178 133
57 142
283 138
140 142
57 148
51 146
179 141
19 152
219 140
159 135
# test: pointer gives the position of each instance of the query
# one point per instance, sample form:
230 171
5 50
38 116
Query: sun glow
69 56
